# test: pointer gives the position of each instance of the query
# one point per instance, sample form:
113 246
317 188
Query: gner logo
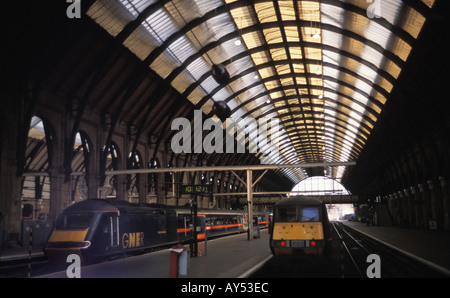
130 240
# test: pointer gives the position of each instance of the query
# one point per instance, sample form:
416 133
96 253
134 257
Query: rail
394 262
355 262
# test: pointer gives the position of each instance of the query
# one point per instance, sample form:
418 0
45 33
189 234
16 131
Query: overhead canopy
325 69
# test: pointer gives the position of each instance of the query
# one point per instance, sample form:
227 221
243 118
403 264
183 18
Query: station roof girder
324 68
327 70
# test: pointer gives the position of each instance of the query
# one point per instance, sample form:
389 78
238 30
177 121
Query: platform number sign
196 189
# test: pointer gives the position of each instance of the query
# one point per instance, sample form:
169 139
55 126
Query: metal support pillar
250 203
193 243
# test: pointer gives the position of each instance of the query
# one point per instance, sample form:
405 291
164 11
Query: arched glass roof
324 68
319 185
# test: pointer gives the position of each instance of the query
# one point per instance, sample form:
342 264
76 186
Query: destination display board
196 189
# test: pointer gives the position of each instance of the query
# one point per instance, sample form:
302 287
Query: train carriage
300 227
223 222
260 220
210 223
97 229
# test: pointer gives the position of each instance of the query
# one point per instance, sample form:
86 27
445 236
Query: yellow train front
300 227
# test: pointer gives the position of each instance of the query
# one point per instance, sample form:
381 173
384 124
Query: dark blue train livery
98 229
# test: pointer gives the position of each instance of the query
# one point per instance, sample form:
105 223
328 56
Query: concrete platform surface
227 257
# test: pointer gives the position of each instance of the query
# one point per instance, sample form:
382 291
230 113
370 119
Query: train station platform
227 257
20 253
428 246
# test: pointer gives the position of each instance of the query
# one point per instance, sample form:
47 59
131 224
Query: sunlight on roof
319 186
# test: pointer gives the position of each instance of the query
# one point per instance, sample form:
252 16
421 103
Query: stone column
393 198
423 218
10 204
402 208
60 194
12 141
445 203
432 200
407 210
415 206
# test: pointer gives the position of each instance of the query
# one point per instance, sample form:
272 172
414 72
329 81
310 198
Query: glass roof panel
319 61
266 12
111 15
136 6
141 43
429 3
287 10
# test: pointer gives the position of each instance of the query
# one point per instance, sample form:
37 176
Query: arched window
80 164
134 162
320 185
36 189
152 178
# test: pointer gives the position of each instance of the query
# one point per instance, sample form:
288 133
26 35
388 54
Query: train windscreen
74 220
309 214
286 214
296 214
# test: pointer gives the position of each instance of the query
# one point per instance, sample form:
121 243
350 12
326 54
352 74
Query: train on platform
99 229
260 220
300 227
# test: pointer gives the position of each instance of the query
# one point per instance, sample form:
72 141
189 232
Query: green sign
196 189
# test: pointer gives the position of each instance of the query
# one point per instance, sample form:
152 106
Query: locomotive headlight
85 244
68 244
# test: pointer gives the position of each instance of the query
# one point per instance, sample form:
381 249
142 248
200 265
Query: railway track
350 255
391 262
22 268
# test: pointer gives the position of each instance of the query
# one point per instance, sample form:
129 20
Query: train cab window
286 214
114 229
110 227
309 214
74 221
106 228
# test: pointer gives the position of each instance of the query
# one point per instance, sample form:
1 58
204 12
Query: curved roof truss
324 68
